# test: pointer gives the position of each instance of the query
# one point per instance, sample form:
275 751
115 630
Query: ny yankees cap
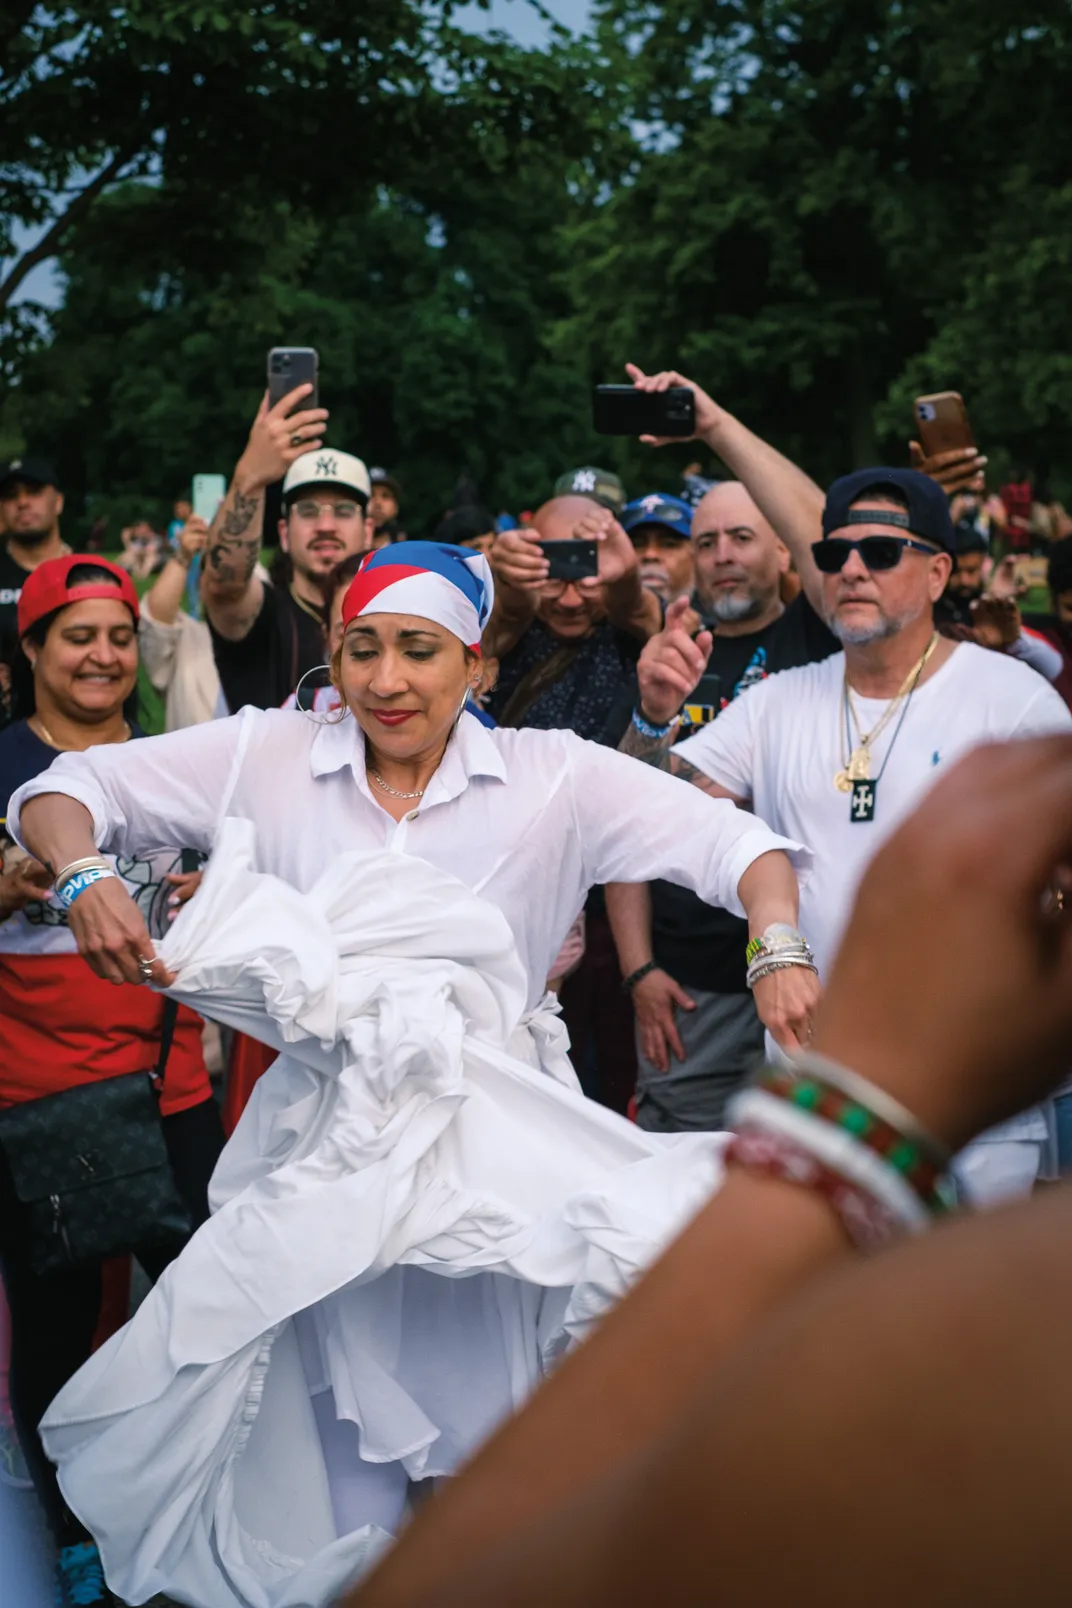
600 484
327 468
48 587
37 470
657 509
928 506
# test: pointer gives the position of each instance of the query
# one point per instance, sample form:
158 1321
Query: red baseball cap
48 587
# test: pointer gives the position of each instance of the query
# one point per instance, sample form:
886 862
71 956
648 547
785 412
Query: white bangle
836 1149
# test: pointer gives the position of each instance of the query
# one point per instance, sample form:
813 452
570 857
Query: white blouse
529 819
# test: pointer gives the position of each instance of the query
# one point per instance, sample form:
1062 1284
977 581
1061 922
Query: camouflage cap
599 484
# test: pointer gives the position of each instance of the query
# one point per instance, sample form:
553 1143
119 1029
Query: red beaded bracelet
866 1221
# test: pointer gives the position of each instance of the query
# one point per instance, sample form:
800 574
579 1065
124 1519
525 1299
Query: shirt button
412 816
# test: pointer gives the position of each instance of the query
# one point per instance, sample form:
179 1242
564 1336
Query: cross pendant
862 807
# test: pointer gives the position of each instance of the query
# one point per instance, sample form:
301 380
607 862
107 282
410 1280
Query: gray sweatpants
723 1040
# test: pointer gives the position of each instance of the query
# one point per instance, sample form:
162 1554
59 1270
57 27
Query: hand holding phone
571 561
280 433
289 367
625 410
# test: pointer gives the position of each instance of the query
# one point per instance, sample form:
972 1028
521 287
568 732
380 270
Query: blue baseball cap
657 509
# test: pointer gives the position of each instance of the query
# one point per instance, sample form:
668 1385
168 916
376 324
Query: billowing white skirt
417 1213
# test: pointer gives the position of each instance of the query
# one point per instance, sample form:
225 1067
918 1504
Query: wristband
646 729
79 881
630 982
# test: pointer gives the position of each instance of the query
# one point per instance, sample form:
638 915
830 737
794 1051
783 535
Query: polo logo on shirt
936 758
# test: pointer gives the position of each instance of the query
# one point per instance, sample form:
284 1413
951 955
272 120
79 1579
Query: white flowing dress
417 1213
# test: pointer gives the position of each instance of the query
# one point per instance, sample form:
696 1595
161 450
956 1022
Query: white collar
471 751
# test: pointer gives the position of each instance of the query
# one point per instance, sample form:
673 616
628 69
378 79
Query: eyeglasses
308 509
877 552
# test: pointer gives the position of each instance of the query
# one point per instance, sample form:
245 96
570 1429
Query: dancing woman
418 1209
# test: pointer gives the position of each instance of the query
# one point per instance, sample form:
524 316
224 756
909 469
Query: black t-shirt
698 945
12 580
283 643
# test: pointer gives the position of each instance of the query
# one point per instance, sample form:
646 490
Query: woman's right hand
112 936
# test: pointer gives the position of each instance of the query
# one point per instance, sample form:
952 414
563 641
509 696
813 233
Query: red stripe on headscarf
369 583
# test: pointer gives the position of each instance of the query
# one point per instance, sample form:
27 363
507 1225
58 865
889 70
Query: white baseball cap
327 467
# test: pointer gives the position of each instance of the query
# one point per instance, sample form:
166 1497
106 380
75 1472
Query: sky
514 17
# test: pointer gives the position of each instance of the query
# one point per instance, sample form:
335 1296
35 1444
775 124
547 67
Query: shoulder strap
167 1035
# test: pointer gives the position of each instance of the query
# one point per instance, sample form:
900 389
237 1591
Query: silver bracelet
763 965
90 862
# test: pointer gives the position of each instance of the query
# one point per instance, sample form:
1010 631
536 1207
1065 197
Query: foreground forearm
57 830
746 1252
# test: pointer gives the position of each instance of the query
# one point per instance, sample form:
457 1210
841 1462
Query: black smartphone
623 410
289 366
571 561
704 701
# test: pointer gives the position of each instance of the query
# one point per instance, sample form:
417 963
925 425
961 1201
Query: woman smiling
406 1225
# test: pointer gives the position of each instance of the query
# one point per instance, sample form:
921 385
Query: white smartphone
209 491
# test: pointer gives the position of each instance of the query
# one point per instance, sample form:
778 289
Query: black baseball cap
928 506
37 470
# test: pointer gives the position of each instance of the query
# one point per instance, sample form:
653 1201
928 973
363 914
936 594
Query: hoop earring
311 714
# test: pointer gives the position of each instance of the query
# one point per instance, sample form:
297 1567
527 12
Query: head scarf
452 586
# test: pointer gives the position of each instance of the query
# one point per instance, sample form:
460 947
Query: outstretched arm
788 498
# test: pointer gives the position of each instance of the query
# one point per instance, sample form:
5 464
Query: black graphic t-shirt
698 945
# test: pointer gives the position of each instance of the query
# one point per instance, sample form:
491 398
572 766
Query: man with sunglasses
835 754
266 636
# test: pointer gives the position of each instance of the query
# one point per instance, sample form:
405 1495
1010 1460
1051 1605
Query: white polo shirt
781 744
530 819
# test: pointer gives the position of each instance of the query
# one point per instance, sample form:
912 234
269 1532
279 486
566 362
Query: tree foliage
818 207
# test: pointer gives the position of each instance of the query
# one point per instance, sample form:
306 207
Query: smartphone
289 366
571 561
704 701
623 410
208 492
942 423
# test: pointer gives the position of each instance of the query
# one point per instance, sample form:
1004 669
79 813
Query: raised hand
278 437
707 411
671 664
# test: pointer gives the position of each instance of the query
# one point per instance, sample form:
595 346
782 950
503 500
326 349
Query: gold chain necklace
36 723
857 767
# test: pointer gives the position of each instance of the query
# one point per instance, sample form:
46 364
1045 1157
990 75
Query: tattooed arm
659 752
233 594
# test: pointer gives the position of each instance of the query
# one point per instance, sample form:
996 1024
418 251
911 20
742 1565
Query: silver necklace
394 792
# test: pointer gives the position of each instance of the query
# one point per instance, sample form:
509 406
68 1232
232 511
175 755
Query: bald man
698 1035
566 648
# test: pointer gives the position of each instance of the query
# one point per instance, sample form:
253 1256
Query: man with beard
698 1034
265 637
836 754
659 529
30 507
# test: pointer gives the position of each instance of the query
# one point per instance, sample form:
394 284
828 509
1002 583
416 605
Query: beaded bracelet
630 982
867 1222
808 1092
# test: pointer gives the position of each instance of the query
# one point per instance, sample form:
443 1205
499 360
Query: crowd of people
641 803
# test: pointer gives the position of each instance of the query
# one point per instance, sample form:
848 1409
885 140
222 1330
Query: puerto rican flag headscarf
451 586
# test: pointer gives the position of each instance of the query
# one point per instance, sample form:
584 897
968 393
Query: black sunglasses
878 552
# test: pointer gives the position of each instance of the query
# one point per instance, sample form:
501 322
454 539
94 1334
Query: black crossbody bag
90 1169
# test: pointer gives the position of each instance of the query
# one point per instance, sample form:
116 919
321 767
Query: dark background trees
818 208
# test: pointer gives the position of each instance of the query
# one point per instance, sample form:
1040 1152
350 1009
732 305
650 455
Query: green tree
816 182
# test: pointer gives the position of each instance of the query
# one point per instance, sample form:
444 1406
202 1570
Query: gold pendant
858 769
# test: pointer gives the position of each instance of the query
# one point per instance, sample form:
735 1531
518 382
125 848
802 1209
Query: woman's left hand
185 884
787 1001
